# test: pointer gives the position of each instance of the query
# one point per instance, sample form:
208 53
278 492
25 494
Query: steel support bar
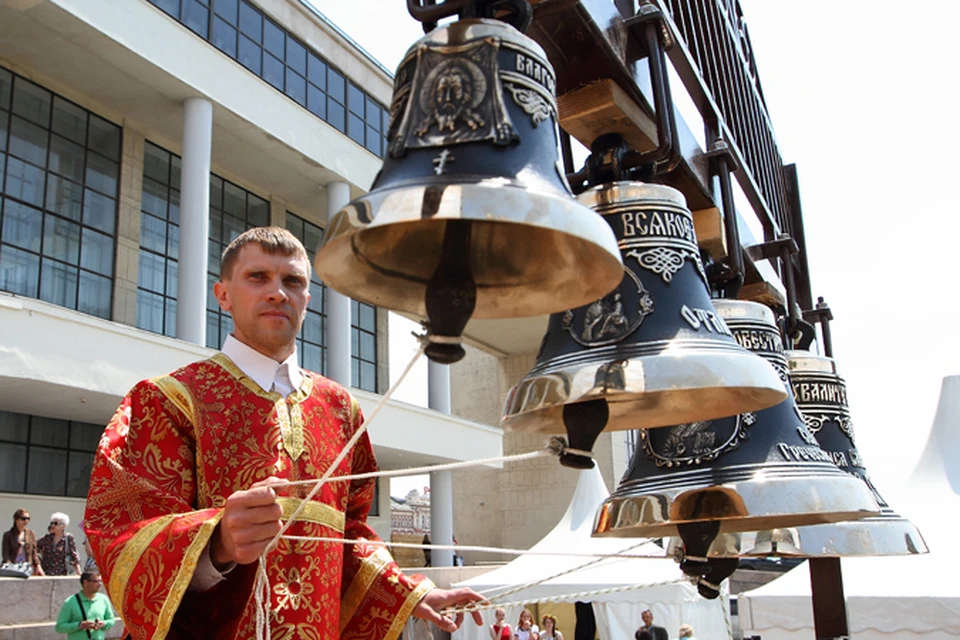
829 606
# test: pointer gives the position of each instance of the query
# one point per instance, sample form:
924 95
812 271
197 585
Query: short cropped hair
88 575
273 240
686 631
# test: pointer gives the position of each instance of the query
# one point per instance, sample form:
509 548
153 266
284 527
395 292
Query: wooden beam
603 107
708 225
764 293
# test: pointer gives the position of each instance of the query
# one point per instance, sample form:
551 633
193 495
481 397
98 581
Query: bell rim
735 373
623 192
736 311
547 211
873 536
805 362
846 499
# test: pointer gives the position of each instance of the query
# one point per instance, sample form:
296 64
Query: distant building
412 514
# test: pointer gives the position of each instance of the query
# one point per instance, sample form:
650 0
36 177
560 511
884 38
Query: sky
862 98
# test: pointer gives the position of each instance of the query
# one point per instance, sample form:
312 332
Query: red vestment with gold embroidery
177 447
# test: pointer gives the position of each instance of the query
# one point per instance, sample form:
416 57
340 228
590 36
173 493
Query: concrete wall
29 608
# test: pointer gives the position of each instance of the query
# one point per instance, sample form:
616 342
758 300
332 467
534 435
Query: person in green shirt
96 615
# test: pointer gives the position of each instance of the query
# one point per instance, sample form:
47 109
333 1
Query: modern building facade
136 141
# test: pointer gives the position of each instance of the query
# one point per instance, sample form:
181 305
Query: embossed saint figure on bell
471 215
651 353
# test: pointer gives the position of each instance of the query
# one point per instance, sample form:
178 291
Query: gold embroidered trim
370 567
178 394
408 606
315 512
130 556
288 411
185 575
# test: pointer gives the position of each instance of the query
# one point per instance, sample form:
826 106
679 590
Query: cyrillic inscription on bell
471 214
654 350
759 470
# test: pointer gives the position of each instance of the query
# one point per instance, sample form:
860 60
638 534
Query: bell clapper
451 295
583 421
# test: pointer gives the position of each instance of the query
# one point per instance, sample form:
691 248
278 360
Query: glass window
97 252
19 271
317 101
296 87
317 71
95 294
66 158
296 56
28 141
225 37
355 128
99 211
273 71
25 181
31 102
373 114
250 54
373 141
251 22
356 100
274 39
102 174
172 7
226 9
58 283
69 120
196 17
21 225
336 115
104 138
64 197
6 88
45 456
336 85
61 239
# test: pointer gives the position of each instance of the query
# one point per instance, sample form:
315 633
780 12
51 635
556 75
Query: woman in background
58 549
549 629
500 630
526 630
20 545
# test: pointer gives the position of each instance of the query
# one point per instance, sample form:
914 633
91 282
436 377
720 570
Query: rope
415 471
262 586
566 597
480 549
724 606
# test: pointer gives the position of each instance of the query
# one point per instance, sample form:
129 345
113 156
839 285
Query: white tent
617 612
887 597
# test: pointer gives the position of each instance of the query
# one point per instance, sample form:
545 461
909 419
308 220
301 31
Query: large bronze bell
471 214
651 353
822 399
753 471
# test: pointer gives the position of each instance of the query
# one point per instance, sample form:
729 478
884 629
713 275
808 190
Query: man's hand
436 599
250 520
88 624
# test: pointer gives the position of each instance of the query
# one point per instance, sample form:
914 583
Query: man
657 633
87 614
179 497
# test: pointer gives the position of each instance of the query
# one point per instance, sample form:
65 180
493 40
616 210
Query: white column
441 482
338 305
194 220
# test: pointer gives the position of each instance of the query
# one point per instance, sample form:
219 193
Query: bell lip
801 362
474 29
339 267
627 191
651 397
733 311
831 496
888 534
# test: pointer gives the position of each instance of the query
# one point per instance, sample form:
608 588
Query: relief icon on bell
654 352
470 215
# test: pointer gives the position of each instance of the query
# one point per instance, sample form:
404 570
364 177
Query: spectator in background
657 633
642 634
87 614
549 629
686 631
20 546
500 630
58 549
526 630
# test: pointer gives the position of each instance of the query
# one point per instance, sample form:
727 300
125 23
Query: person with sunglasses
20 546
58 549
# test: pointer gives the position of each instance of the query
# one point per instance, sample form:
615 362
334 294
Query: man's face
647 618
267 296
92 585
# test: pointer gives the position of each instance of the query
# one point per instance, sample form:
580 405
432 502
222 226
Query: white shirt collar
260 368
